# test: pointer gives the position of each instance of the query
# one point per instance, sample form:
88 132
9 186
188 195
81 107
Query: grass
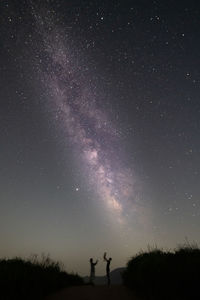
34 278
158 274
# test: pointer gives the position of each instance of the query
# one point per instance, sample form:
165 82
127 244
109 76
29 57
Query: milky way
95 139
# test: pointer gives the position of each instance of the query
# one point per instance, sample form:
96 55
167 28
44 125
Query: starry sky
99 128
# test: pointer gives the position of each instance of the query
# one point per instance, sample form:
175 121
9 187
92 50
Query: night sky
99 128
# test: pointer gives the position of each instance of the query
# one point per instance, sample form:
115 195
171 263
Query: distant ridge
115 277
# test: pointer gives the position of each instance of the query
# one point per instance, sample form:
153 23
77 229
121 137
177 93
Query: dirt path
117 292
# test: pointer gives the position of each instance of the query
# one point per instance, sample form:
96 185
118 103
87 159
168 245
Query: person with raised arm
92 270
108 261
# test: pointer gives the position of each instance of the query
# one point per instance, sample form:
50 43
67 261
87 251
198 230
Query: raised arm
104 257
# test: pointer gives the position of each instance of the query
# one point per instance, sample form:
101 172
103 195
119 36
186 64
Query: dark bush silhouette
33 279
164 275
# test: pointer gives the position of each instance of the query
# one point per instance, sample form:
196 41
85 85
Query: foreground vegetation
163 275
33 278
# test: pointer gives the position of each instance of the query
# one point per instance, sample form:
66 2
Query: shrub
33 279
164 275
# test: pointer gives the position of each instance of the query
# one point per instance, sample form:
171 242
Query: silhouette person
107 268
92 270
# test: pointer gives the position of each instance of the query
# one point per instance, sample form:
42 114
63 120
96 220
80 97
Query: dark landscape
155 274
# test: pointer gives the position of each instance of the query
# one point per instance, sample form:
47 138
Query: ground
116 292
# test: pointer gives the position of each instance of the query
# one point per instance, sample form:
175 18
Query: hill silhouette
33 278
159 274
